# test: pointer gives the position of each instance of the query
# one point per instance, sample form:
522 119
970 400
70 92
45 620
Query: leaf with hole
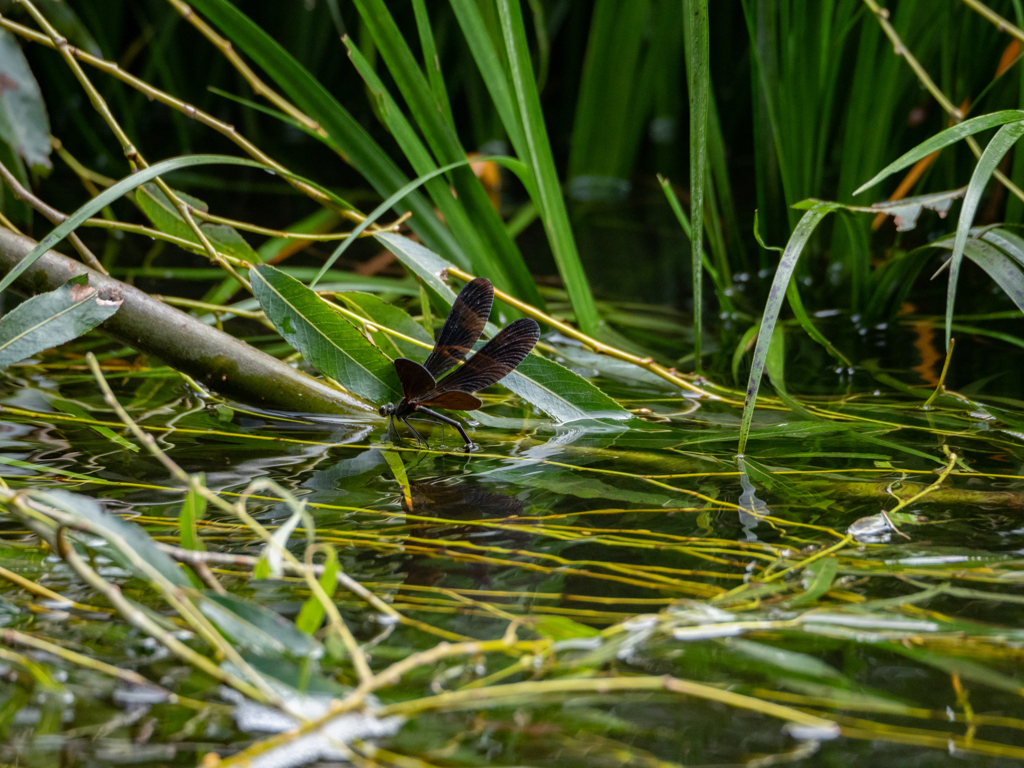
50 319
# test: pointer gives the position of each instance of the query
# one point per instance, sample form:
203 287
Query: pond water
629 562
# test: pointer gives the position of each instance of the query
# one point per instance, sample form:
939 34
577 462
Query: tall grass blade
720 282
432 61
492 69
783 274
538 156
360 150
698 79
494 254
601 152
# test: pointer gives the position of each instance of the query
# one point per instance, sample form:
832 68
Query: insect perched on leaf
498 358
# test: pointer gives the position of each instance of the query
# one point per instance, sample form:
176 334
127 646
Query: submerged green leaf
256 628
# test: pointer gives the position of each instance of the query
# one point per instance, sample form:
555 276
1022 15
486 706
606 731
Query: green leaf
23 121
695 31
120 535
775 361
546 189
787 264
944 139
561 628
328 341
311 615
508 162
1000 144
385 315
999 265
76 410
309 95
823 573
783 659
397 467
257 629
557 391
469 214
191 511
165 217
50 319
492 70
431 60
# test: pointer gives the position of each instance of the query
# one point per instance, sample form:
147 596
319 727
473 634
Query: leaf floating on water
905 212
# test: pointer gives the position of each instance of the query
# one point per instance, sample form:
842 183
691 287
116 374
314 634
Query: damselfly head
387 409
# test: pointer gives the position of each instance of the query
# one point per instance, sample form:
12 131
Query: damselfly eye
384 409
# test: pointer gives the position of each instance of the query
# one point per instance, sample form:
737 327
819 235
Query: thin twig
882 14
52 214
155 94
258 86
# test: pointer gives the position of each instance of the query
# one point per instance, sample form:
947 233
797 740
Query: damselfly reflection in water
498 358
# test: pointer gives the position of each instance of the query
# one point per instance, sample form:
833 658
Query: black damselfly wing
462 327
414 377
498 358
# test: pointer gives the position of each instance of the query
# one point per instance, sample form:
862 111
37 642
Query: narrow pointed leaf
328 341
538 156
944 139
50 319
783 274
1000 144
257 629
695 26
